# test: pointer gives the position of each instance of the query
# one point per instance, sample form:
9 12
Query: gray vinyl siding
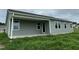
62 29
29 28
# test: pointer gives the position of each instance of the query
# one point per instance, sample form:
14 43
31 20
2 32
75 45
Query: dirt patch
2 46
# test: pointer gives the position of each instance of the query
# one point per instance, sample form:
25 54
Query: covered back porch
28 27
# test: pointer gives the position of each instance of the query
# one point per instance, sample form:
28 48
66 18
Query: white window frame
18 24
70 25
37 26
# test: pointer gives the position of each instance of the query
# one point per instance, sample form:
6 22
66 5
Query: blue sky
67 14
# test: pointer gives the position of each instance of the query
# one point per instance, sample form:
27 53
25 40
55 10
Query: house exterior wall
62 29
29 28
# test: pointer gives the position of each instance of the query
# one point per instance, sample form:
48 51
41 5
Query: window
38 26
65 25
43 27
56 25
16 25
70 25
59 25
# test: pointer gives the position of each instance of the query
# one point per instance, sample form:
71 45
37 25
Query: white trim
11 27
49 26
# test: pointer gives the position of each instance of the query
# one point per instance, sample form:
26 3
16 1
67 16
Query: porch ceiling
30 18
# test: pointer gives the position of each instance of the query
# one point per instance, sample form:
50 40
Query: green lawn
56 42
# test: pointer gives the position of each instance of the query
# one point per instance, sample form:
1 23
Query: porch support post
8 27
11 28
49 26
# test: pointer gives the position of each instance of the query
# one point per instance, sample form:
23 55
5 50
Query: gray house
24 24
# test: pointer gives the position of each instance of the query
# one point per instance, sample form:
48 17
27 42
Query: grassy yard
56 42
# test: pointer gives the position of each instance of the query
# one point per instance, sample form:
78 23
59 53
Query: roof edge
50 17
29 13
